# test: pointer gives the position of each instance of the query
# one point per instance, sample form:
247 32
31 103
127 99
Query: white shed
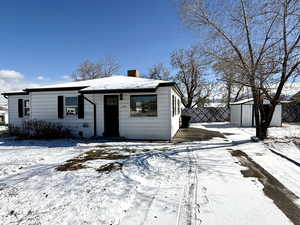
242 113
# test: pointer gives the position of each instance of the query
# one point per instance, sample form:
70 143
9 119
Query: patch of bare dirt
107 168
104 154
195 134
273 188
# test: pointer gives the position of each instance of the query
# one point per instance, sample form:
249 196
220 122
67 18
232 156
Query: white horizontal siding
146 127
277 117
174 119
13 113
247 115
44 107
235 114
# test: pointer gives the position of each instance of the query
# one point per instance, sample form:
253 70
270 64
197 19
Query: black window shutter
80 107
60 107
173 105
20 107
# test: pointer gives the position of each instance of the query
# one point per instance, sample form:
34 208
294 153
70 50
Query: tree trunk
266 114
257 121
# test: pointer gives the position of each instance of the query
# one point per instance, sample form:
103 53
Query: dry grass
104 154
107 168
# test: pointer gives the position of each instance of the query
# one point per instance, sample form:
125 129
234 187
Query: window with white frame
26 108
71 106
143 105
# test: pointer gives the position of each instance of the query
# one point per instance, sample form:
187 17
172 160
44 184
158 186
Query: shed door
246 115
111 116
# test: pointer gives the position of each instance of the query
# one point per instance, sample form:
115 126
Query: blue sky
49 39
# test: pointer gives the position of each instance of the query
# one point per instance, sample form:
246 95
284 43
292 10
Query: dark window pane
143 105
26 111
26 108
26 103
71 101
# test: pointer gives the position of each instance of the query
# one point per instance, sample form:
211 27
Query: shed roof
242 101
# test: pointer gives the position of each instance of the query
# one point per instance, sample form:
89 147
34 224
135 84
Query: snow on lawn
281 141
159 183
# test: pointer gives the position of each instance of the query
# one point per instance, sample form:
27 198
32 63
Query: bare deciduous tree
229 73
89 70
263 35
190 66
160 72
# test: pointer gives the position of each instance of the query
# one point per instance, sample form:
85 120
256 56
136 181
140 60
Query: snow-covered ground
159 183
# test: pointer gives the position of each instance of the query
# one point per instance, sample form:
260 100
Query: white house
116 106
242 113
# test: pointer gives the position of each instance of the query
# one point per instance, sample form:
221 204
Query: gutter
95 114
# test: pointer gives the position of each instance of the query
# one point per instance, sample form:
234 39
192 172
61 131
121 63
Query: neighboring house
296 97
3 115
242 113
125 106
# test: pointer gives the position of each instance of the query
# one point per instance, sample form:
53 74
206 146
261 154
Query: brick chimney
133 73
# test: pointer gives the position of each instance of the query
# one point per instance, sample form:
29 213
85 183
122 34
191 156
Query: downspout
95 114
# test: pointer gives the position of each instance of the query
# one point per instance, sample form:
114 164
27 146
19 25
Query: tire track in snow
144 207
189 208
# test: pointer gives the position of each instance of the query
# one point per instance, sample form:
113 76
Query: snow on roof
242 101
124 82
107 83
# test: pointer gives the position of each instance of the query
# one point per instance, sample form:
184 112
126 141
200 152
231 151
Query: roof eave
14 93
55 89
117 91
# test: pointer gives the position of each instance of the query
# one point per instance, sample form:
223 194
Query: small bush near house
39 129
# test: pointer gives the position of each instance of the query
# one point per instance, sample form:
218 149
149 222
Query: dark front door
111 115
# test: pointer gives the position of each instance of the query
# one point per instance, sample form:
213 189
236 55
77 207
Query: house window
71 105
143 105
178 106
26 108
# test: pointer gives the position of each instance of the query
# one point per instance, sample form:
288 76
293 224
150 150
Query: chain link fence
290 113
208 114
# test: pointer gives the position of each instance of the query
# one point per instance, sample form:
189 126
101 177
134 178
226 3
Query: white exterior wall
43 106
13 115
247 115
146 127
151 128
6 117
277 117
235 114
175 120
247 111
